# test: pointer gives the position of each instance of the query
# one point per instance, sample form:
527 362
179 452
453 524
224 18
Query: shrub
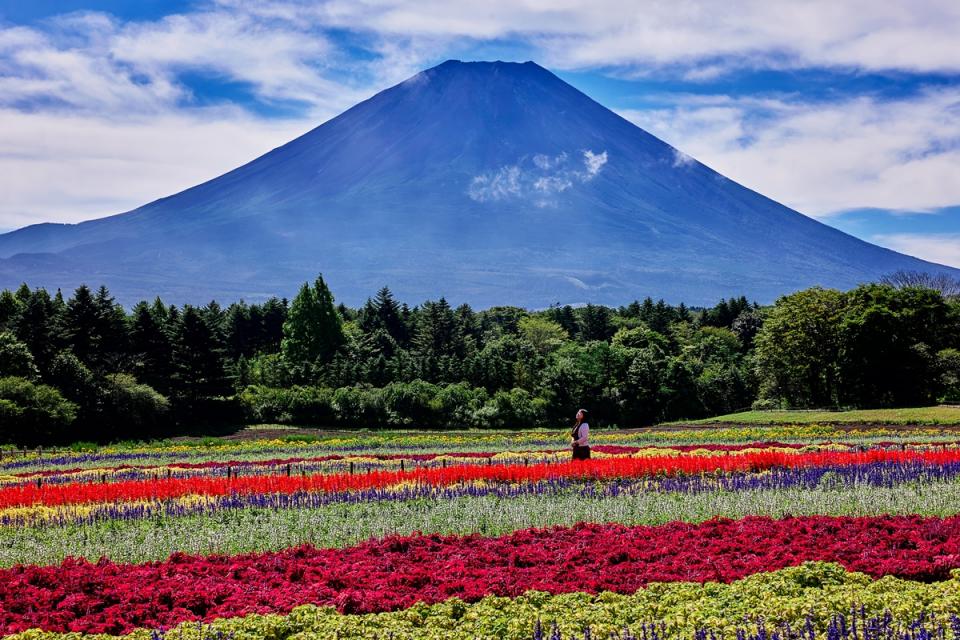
514 409
766 404
409 403
129 408
33 413
296 405
358 407
948 361
457 405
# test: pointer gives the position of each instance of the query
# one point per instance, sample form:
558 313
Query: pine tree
647 311
467 326
37 326
661 318
83 325
240 374
437 340
367 319
111 332
566 318
390 317
96 329
160 312
313 331
255 330
274 316
173 317
383 313
197 356
238 337
595 323
215 317
23 293
150 348
632 310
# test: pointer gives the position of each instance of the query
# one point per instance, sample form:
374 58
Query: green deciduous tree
949 364
889 339
127 407
544 335
16 359
10 308
797 349
33 413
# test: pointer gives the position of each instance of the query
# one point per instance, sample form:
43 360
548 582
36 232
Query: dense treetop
85 368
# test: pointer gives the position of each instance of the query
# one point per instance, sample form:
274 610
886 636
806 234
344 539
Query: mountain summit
485 182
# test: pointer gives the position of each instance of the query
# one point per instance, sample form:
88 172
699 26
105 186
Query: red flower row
395 572
80 493
609 449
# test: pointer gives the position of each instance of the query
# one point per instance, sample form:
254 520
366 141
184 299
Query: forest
83 368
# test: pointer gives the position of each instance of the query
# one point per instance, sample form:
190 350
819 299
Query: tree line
85 368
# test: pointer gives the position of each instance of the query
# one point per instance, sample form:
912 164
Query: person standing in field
580 437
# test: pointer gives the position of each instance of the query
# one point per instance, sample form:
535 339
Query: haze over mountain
485 182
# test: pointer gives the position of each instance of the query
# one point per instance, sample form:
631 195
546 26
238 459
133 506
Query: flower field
739 532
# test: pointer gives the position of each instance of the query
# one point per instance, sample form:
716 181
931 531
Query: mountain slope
490 183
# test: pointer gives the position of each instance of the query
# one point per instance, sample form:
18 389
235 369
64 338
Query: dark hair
579 422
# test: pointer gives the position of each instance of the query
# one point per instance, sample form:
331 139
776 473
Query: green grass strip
340 525
939 415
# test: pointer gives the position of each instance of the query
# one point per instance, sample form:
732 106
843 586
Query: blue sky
847 111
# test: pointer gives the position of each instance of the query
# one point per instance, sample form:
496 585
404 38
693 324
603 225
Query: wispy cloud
91 62
941 248
593 162
824 157
62 168
680 159
537 178
910 35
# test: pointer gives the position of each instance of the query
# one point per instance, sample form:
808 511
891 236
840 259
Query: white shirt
582 441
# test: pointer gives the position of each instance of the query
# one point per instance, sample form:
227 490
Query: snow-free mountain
486 182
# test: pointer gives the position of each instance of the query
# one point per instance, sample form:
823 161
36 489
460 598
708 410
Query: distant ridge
485 182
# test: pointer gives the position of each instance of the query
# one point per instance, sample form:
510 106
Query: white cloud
78 77
83 88
545 162
593 162
499 185
280 62
73 168
548 176
95 118
912 35
680 159
89 62
939 248
824 158
552 184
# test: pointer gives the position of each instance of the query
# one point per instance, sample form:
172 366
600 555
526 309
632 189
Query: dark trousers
581 453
